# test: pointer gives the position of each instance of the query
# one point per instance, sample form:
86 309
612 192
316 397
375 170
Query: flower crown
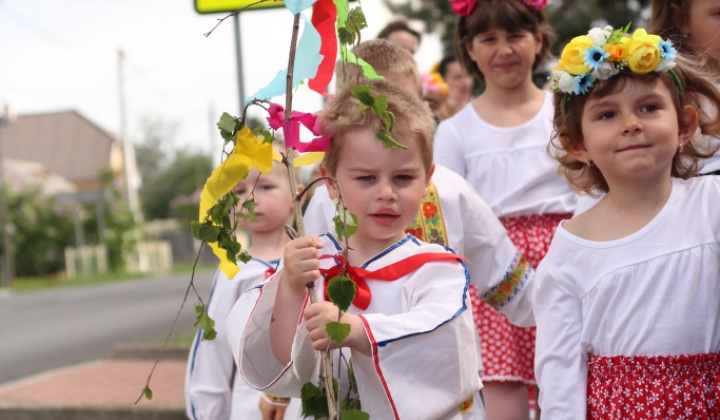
603 52
465 7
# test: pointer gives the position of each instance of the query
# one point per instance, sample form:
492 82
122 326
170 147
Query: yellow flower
643 52
573 55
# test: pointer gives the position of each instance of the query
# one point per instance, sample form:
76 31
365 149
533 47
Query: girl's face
505 58
633 134
703 26
460 83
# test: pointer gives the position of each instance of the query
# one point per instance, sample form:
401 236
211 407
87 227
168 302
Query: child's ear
538 43
688 125
430 172
329 184
575 150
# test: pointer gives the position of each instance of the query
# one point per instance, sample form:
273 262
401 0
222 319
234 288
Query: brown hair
397 26
510 15
696 89
413 120
387 59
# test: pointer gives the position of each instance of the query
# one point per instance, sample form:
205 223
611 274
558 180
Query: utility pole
8 263
127 149
238 55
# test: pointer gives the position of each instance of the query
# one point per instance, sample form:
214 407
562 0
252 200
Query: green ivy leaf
354 415
267 137
351 225
204 321
337 332
195 227
380 104
345 36
341 291
249 206
364 94
358 18
209 233
227 126
314 403
244 257
147 392
388 141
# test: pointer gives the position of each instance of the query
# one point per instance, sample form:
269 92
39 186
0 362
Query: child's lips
385 216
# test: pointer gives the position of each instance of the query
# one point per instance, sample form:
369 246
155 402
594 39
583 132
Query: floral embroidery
429 210
429 224
514 280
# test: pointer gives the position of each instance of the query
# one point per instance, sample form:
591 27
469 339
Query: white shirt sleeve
319 213
210 370
560 361
448 148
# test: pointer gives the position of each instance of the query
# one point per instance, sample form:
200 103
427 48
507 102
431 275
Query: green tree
569 18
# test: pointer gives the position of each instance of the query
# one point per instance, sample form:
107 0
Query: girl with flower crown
694 28
626 299
498 143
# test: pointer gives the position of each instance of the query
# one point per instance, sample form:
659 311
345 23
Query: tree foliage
569 18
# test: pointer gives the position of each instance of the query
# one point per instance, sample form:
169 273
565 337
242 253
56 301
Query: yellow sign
228 6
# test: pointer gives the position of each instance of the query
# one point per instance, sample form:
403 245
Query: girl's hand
301 262
319 314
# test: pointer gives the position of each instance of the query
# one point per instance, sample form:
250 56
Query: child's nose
386 192
631 124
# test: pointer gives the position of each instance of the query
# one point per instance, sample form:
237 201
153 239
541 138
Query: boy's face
273 199
384 188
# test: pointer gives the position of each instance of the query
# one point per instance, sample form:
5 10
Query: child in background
459 88
400 33
498 143
411 340
212 387
693 26
626 299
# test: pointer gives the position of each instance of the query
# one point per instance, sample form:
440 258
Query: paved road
61 327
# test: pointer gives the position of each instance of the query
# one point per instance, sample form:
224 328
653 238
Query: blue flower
667 51
594 56
582 84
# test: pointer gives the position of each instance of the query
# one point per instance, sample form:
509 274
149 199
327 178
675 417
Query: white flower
565 81
665 65
605 70
598 36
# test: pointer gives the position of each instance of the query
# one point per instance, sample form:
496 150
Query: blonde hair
413 120
510 15
385 57
696 89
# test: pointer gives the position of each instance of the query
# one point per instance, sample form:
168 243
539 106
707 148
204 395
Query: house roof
64 142
21 174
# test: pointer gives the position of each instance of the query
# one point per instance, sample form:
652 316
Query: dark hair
398 26
695 90
510 15
444 63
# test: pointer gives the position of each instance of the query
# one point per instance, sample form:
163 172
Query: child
452 215
694 28
459 87
411 339
213 390
497 142
400 33
626 300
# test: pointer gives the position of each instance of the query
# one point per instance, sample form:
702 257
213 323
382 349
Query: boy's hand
319 314
301 262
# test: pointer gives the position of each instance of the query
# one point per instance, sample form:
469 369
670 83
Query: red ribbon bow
391 272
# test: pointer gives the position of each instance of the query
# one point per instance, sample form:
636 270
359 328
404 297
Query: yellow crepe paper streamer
249 152
306 159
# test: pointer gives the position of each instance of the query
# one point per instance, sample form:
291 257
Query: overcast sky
63 55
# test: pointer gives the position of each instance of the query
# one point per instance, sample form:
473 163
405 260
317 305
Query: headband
465 7
603 52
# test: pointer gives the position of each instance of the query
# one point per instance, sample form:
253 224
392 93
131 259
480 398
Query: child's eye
606 115
266 187
365 178
404 177
650 108
240 192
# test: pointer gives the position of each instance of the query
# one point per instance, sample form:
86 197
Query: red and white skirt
508 351
673 387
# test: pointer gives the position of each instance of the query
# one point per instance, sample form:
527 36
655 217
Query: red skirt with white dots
654 388
508 351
